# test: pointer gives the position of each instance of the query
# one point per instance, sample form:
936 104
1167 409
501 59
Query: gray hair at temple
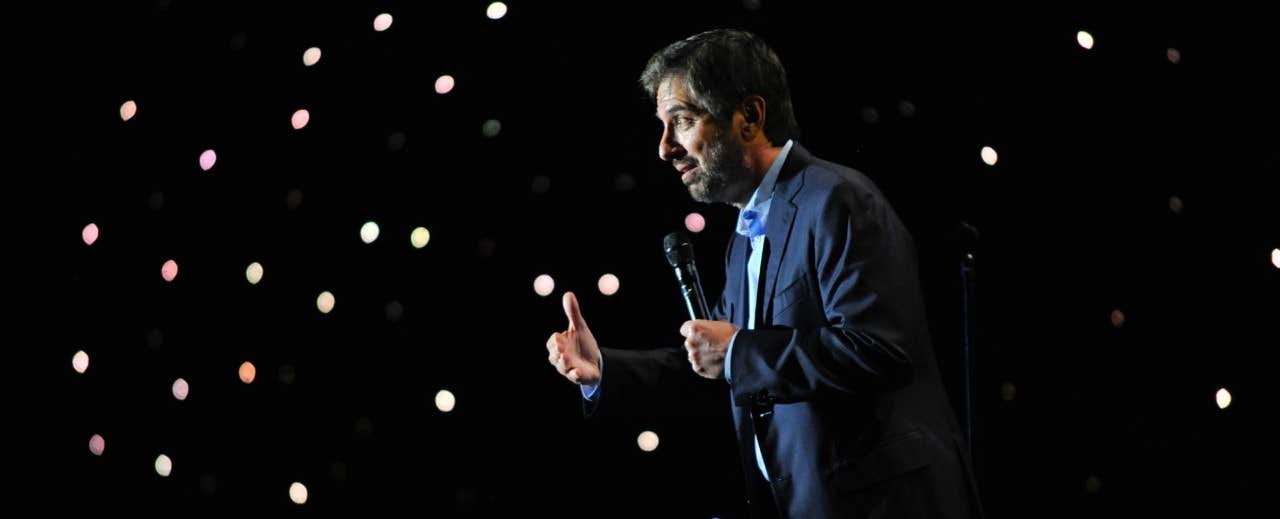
721 68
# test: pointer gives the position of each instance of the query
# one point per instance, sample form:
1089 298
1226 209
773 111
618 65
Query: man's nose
668 148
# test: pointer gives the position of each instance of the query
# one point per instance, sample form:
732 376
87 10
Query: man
820 331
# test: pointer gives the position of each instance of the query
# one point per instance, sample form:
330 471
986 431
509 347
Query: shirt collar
752 217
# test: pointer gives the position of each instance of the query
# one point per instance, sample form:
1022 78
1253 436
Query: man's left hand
707 342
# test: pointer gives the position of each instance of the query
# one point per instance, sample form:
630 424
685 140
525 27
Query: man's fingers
572 375
686 329
571 310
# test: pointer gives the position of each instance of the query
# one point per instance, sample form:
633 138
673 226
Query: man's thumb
576 322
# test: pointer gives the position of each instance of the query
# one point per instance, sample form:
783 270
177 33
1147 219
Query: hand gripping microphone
680 255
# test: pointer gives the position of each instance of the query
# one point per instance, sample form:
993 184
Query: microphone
680 255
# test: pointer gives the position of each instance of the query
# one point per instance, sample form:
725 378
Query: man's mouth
688 174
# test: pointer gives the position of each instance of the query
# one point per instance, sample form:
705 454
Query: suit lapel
782 216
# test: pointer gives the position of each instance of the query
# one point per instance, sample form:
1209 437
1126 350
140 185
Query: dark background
1075 416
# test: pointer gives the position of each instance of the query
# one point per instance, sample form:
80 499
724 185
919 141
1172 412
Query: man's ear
753 116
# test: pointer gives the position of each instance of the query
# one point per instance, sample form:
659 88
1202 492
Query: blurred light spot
394 311
648 441
369 231
128 110
1175 205
238 41
156 201
1173 55
1084 39
208 484
1008 391
1092 485
207 159
180 389
541 184
381 23
311 56
293 199
1275 257
396 141
164 465
752 5
97 444
870 115
253 273
248 372
444 84
543 285
989 155
485 248
496 10
419 237
445 400
89 234
169 270
491 128
364 427
80 361
300 119
325 302
1223 397
608 284
906 109
695 222
155 338
298 491
624 182
287 374
1117 318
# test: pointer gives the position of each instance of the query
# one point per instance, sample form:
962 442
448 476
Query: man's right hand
574 352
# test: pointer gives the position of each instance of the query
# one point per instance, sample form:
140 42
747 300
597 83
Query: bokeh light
445 400
208 159
128 110
608 284
311 56
325 302
648 441
695 222
543 285
420 237
253 273
381 23
80 361
89 234
169 270
181 389
248 372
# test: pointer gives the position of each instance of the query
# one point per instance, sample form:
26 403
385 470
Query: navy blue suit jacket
838 381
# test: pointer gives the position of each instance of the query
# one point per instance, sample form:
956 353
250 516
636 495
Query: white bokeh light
1223 397
253 273
445 400
325 302
298 493
300 119
1084 39
1275 257
369 232
543 285
695 222
208 159
608 284
648 441
164 465
496 10
181 389
89 234
169 271
80 361
128 110
311 56
97 444
247 372
420 237
989 155
444 84
382 22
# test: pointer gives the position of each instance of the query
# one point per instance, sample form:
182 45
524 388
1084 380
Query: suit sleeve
860 271
644 379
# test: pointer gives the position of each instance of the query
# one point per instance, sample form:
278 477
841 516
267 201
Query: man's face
707 154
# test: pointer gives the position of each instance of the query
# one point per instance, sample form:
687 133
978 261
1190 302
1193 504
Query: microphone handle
691 287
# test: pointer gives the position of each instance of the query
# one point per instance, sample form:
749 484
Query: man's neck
761 159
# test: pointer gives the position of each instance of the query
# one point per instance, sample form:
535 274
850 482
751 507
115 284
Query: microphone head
678 249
